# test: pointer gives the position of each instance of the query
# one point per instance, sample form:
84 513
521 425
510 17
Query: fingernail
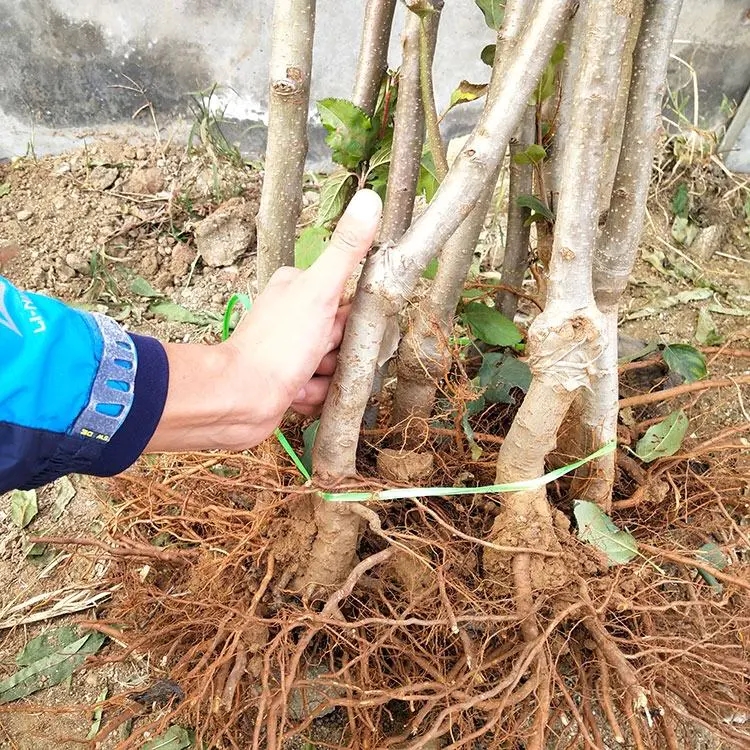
365 206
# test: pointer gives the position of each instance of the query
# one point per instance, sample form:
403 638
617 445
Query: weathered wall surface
73 67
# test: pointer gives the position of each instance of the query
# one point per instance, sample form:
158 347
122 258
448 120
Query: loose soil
112 228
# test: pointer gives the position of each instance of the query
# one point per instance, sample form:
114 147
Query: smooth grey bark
372 62
618 244
391 273
408 138
286 150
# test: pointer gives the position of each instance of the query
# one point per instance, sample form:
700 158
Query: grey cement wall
69 66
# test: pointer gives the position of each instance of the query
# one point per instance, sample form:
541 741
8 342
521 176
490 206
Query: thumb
351 240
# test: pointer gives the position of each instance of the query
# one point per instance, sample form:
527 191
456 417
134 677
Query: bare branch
515 257
372 62
286 151
408 137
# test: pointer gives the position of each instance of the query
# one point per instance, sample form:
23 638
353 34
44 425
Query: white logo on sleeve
5 319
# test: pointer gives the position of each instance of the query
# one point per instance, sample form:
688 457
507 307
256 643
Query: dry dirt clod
405 466
24 215
144 181
226 234
101 177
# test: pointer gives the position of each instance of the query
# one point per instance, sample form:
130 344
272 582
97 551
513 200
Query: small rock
141 154
144 181
128 152
226 234
24 215
78 262
8 253
59 203
61 169
708 241
182 258
101 177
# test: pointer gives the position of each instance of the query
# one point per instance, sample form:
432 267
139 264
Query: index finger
351 240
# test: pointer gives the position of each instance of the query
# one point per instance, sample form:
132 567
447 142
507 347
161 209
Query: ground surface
113 229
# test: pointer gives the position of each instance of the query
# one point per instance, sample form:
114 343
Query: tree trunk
618 243
286 151
391 272
566 341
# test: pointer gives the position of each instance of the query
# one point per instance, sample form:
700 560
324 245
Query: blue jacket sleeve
77 393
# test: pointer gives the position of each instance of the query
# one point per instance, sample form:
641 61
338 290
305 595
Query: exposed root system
446 629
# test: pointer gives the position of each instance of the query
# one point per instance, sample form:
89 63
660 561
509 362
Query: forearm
210 404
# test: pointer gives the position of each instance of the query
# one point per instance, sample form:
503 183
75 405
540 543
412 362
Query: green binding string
525 484
405 493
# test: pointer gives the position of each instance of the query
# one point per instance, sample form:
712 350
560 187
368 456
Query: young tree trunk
391 273
372 62
286 151
406 157
618 244
423 355
566 341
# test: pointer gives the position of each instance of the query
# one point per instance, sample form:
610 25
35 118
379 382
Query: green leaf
51 669
488 55
596 528
490 325
664 438
4 189
530 201
500 373
494 12
706 333
711 553
683 230
547 83
175 738
96 722
179 314
685 360
46 644
431 271
335 191
349 129
64 493
309 246
381 157
532 155
428 182
23 507
308 439
142 288
467 92
681 201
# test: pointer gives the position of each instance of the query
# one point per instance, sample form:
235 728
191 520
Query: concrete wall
70 66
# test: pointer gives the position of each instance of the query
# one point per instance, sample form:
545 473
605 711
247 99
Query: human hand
283 353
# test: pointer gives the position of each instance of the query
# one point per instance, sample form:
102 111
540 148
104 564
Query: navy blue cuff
150 395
